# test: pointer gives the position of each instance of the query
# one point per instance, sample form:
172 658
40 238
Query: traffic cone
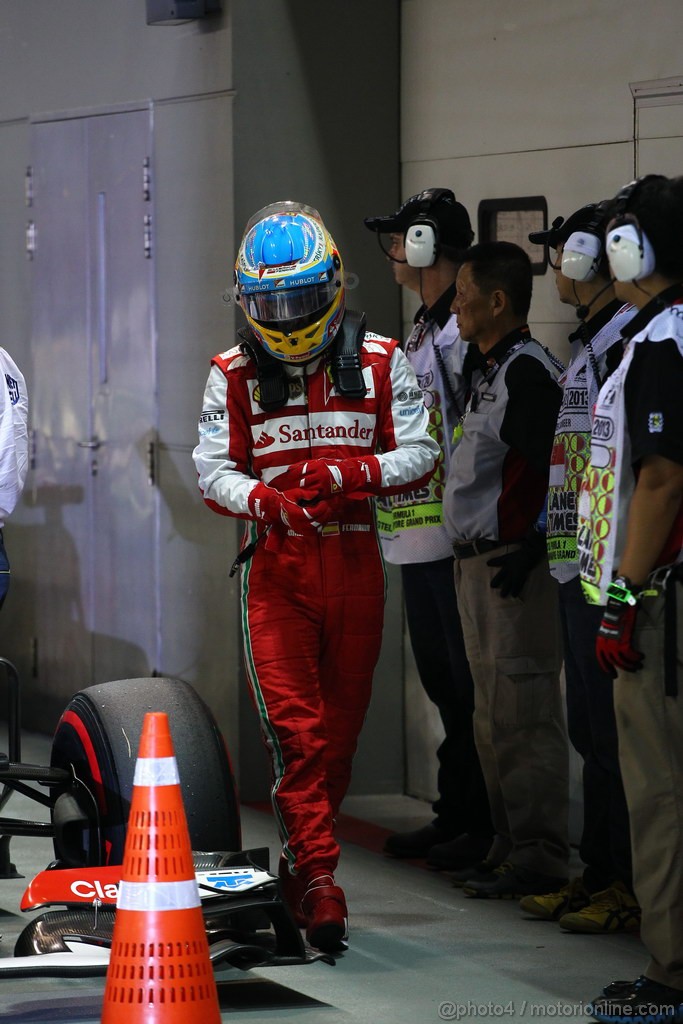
159 971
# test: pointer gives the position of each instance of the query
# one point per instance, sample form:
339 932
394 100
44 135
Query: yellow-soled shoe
613 910
570 898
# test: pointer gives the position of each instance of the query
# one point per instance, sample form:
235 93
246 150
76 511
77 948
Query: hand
355 478
300 510
516 565
614 643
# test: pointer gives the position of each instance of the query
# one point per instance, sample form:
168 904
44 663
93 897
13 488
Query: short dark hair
657 202
502 265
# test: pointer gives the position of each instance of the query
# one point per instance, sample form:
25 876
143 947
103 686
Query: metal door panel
60 407
94 401
124 397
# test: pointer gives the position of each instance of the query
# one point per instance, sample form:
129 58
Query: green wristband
621 589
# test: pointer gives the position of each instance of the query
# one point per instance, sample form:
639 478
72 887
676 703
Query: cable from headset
557 363
445 378
438 354
590 352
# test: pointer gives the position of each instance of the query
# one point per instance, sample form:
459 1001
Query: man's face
564 285
472 307
404 275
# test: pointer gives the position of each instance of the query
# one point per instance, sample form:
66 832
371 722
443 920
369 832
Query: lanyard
488 378
492 373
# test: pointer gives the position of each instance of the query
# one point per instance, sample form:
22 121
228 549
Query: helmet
289 281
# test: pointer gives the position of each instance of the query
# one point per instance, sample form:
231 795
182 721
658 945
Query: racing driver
304 421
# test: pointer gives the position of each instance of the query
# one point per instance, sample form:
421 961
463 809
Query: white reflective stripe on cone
158 895
156 771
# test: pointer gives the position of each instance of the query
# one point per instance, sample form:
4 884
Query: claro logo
94 890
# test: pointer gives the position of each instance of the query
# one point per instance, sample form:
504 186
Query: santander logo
264 440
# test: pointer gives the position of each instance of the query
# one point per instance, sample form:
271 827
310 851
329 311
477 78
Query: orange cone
159 971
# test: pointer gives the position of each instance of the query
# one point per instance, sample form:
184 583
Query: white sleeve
222 455
409 451
13 434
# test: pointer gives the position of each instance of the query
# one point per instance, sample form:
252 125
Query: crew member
630 553
424 243
13 451
601 898
495 493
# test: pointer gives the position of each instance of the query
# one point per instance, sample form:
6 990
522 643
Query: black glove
516 565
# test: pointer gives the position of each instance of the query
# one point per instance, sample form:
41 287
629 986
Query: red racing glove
300 510
614 643
354 478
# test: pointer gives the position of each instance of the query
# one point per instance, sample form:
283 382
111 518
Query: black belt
476 547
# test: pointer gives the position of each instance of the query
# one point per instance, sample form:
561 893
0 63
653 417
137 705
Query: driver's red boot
293 888
326 915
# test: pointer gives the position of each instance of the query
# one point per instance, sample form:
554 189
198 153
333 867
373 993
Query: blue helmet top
289 281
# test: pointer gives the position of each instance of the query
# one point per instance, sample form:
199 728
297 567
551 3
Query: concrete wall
249 106
501 100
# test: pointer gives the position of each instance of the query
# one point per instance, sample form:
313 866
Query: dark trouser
439 650
514 650
4 571
605 841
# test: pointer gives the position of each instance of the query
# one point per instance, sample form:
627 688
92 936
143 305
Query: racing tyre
97 738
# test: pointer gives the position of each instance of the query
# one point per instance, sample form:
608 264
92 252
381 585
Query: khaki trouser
650 726
514 650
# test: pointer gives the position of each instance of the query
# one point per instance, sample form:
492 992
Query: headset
629 251
422 236
583 251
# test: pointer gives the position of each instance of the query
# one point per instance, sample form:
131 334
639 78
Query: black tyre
98 737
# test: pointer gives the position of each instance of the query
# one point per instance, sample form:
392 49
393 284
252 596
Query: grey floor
420 950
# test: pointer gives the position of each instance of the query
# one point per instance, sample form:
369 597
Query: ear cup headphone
582 252
629 251
422 237
630 254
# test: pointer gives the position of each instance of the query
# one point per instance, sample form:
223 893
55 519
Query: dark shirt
534 398
653 392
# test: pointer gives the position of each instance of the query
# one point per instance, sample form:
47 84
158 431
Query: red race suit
313 604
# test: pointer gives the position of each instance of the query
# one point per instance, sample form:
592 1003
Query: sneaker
551 906
481 872
645 1002
461 852
612 910
415 844
326 916
292 890
510 882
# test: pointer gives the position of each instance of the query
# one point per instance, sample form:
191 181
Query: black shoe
461 852
645 1002
415 844
618 988
481 872
511 883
